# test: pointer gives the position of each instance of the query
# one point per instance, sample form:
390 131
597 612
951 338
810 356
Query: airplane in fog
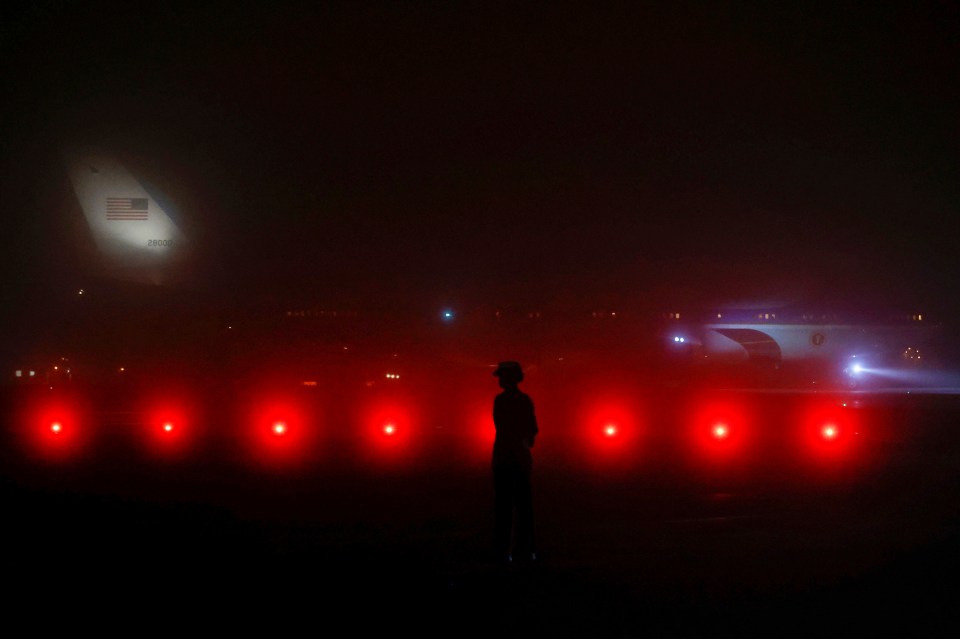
140 318
136 237
134 297
783 345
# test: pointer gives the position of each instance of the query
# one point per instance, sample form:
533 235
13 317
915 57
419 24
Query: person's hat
509 367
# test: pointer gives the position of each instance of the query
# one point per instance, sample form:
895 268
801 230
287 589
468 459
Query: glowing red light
609 431
57 432
171 429
281 433
829 433
391 432
721 432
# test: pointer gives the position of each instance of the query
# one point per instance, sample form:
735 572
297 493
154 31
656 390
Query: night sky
364 154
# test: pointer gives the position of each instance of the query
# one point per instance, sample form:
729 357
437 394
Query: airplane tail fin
135 235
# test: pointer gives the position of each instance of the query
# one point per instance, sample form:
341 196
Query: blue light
447 315
855 368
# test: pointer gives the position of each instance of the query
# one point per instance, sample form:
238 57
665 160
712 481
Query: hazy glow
829 431
135 245
279 428
58 433
392 433
721 432
611 431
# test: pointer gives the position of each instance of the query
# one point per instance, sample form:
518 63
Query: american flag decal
127 208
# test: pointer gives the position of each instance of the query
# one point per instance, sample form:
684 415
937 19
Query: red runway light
170 427
830 434
390 432
57 430
609 433
720 432
282 433
478 439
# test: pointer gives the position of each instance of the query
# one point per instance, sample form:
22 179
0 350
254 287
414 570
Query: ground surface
664 547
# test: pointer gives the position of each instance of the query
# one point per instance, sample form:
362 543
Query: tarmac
118 543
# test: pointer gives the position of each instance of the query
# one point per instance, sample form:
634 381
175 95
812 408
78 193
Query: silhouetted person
516 425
